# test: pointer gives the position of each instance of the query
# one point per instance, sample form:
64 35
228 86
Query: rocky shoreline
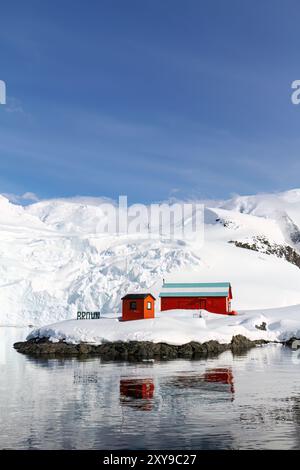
134 350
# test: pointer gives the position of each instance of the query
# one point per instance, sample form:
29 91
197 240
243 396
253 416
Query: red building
213 296
138 306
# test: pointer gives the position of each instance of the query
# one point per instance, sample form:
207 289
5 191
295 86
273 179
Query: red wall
211 304
141 309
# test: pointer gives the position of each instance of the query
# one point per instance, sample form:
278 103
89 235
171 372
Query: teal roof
196 289
197 284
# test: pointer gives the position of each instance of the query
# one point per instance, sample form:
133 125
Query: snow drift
178 327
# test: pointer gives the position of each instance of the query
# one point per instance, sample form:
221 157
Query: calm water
251 401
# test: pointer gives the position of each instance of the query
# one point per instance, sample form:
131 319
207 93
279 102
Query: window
149 305
132 305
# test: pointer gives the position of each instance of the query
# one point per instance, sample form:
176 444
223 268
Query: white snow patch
178 327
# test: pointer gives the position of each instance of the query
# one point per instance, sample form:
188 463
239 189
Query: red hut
137 306
214 297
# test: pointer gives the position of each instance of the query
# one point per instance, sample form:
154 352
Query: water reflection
211 381
83 378
221 376
69 403
137 393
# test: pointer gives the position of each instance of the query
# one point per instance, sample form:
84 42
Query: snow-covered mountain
54 261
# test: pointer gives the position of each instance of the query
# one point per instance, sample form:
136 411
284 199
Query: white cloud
21 198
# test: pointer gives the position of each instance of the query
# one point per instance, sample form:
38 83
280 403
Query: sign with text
88 315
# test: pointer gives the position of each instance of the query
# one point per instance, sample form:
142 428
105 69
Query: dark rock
85 348
132 350
139 349
168 351
293 343
212 348
260 342
198 349
262 327
186 350
241 343
262 245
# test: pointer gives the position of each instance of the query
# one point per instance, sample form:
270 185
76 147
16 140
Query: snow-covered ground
54 261
178 327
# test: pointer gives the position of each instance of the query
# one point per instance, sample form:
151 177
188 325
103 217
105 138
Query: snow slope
54 261
283 208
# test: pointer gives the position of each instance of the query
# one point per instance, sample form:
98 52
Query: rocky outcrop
133 350
293 343
262 326
291 229
263 245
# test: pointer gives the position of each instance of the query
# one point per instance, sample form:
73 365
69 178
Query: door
202 304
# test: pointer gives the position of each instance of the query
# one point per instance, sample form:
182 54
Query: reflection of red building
141 390
214 376
220 375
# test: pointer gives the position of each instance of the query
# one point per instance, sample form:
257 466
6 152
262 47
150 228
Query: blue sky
152 99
